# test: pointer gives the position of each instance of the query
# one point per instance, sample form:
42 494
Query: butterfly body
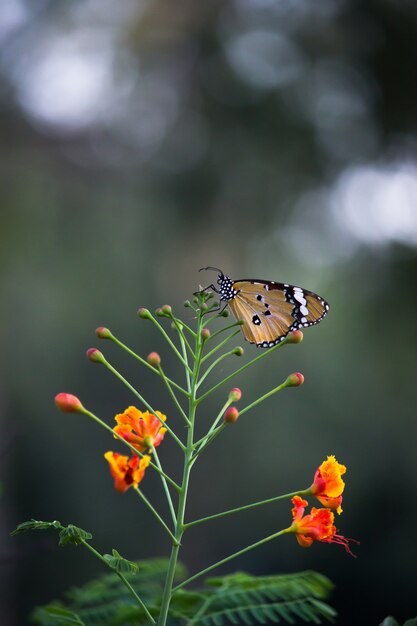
270 310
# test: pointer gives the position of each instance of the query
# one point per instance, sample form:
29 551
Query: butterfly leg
212 287
220 308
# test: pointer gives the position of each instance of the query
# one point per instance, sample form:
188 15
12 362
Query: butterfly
269 310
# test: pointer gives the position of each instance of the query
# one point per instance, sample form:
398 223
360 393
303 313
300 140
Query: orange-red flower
317 526
141 430
126 472
328 485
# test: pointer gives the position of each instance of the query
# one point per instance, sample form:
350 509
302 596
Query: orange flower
126 472
328 485
141 430
317 526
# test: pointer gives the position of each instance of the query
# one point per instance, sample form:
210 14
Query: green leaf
105 601
73 535
69 534
34 524
232 617
270 613
119 564
244 599
389 621
54 615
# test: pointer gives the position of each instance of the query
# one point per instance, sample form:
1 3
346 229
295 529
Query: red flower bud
94 355
205 334
235 394
153 359
295 337
159 312
68 403
103 333
145 314
294 380
231 415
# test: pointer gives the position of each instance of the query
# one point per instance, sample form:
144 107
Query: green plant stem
154 512
213 365
196 617
246 507
241 369
262 398
170 342
220 345
193 308
220 414
179 528
224 329
144 402
179 325
218 307
172 394
165 486
176 320
146 364
187 373
229 558
123 579
132 448
208 441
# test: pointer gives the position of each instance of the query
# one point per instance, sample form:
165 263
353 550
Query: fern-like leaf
238 599
309 610
105 601
119 564
56 615
244 599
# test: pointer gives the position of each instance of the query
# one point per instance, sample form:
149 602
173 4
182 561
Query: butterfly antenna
215 269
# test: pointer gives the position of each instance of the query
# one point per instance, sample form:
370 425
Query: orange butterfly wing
271 310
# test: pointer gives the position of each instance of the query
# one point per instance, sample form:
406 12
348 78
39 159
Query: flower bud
103 333
295 337
159 312
203 307
153 359
294 380
238 351
231 415
187 304
68 403
167 310
205 334
235 394
225 313
94 355
145 314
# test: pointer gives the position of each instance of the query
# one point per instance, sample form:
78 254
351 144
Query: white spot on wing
299 296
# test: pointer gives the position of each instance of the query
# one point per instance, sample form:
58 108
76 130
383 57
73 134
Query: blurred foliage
144 140
236 599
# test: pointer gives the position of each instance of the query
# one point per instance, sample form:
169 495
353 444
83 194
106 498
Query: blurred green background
143 140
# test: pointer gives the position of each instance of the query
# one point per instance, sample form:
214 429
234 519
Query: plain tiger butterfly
269 310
